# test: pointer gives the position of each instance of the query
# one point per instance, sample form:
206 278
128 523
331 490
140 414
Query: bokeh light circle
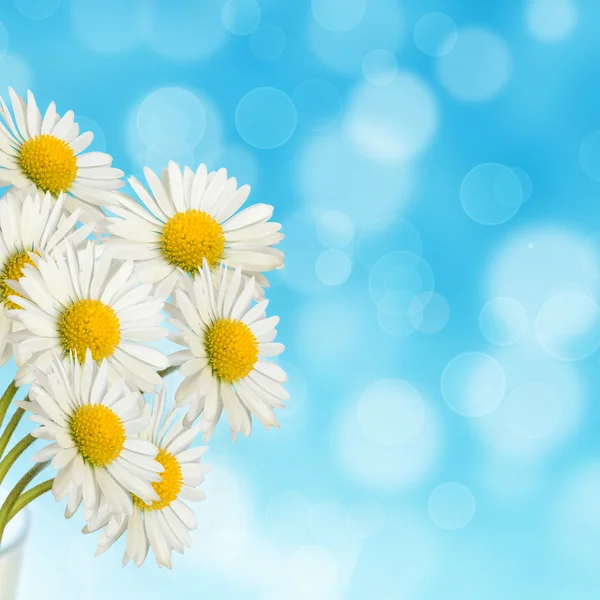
394 122
268 42
380 67
503 321
491 194
335 229
589 156
37 10
15 72
473 384
478 66
318 103
526 183
435 34
532 410
333 266
551 20
171 120
451 505
568 326
338 16
266 118
391 412
429 312
241 17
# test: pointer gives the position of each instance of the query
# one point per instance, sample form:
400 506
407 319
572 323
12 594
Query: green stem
10 429
6 399
167 371
29 496
14 453
12 498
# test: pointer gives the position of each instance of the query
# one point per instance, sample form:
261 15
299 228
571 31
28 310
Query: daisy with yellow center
186 218
47 154
88 305
164 524
94 427
30 226
227 342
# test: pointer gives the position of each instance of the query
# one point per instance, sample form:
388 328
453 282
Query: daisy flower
94 427
88 301
227 342
47 153
189 217
162 525
30 224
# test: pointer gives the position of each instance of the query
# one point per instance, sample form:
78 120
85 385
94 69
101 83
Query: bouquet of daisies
91 281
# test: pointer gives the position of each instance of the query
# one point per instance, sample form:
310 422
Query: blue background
440 317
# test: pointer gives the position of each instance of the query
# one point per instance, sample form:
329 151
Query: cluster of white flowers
89 278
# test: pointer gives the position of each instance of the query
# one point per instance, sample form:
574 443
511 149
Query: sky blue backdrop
436 169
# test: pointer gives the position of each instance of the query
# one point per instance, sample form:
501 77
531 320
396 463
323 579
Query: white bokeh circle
473 384
503 321
394 122
551 20
37 10
241 17
338 16
391 412
335 229
266 118
380 67
491 194
478 66
568 326
429 312
451 505
333 266
435 34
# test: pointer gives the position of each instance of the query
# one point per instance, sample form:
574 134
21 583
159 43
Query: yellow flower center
191 236
98 433
168 487
49 163
89 324
232 349
13 271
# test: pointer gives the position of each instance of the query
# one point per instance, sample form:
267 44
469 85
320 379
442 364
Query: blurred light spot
287 515
391 412
333 175
451 505
539 262
532 410
297 388
551 20
380 67
3 41
400 271
568 326
367 518
503 321
386 235
338 15
335 229
185 30
15 72
241 17
473 384
318 103
171 119
240 163
266 118
392 123
312 572
429 312
113 26
491 194
37 9
435 34
329 522
478 66
381 27
589 156
526 183
87 124
395 315
267 42
375 464
333 267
